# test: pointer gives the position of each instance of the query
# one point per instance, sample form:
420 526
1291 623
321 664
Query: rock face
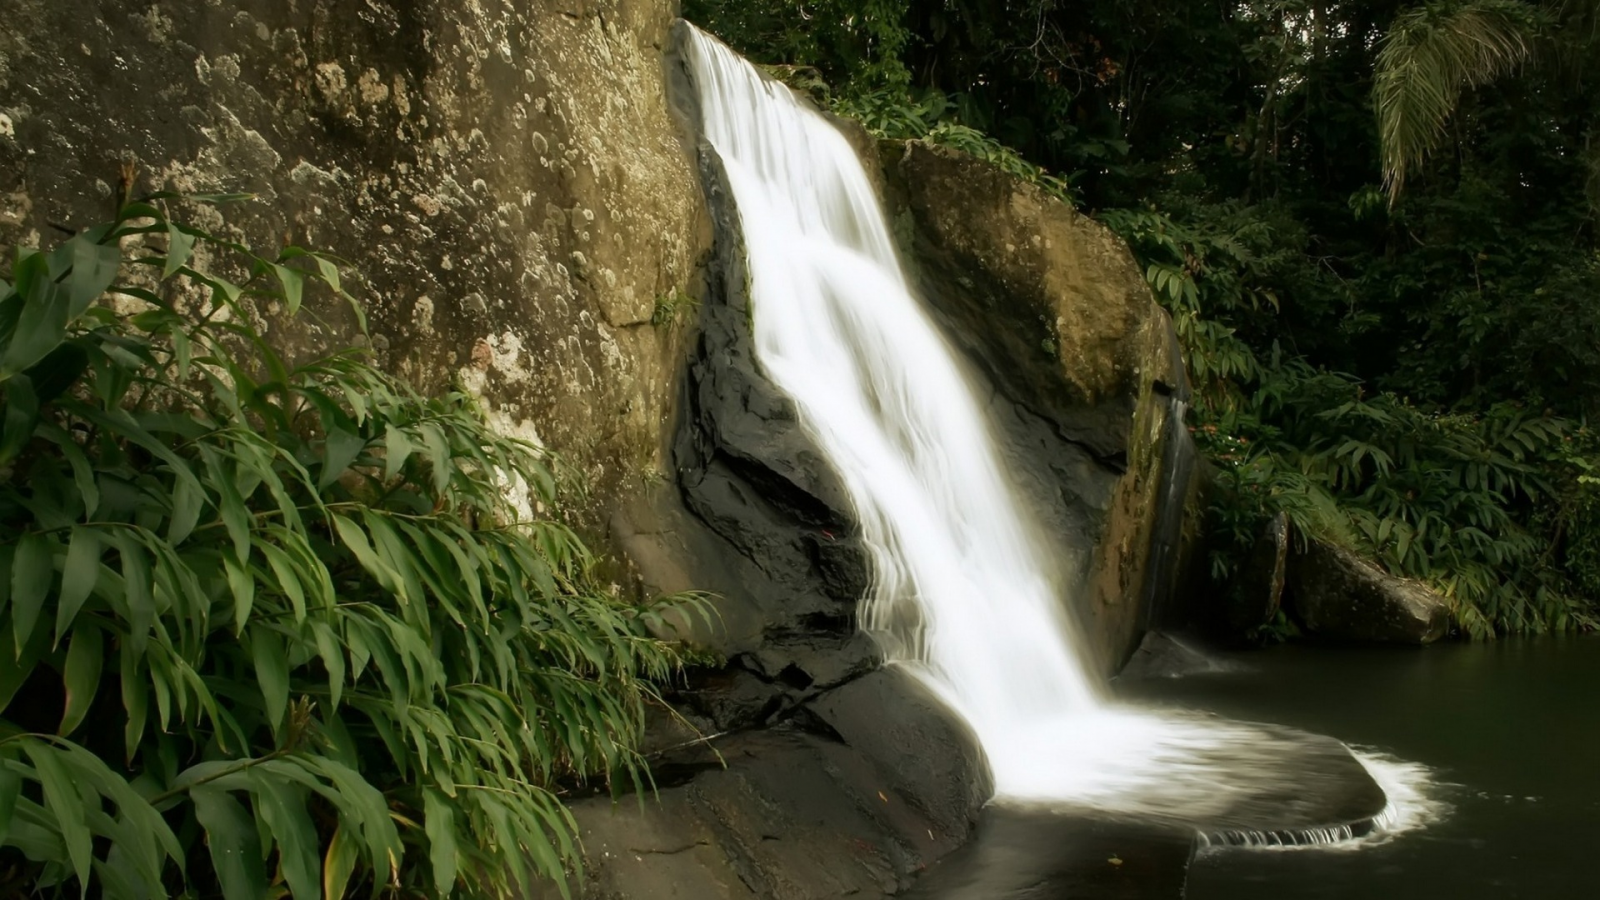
505 176
1337 594
1087 382
531 219
1257 593
853 799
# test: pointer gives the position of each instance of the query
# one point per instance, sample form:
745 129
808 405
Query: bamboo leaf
32 576
293 284
10 788
61 799
283 808
233 841
243 587
272 673
78 576
188 499
21 416
180 246
439 823
397 449
81 674
94 267
339 862
340 450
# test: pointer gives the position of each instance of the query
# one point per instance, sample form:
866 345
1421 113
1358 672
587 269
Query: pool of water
1509 730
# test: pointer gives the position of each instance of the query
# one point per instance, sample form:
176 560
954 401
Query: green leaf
439 452
283 807
332 654
137 585
22 414
10 788
32 575
340 450
439 822
283 568
397 448
61 798
188 499
135 699
329 271
243 587
40 328
232 838
180 246
83 475
356 539
272 673
235 517
79 574
81 674
293 282
339 862
94 267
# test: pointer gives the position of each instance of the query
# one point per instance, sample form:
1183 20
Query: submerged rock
1160 655
1337 594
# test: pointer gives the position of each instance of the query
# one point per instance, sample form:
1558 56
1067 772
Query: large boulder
505 177
1337 594
1087 388
855 797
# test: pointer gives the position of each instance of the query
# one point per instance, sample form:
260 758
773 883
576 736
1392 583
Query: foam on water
964 597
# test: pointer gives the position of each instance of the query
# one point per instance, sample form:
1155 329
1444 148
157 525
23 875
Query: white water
964 598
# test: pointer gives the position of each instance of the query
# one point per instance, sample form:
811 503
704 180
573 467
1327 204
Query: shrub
280 624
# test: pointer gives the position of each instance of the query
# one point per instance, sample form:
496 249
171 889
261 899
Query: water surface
1511 729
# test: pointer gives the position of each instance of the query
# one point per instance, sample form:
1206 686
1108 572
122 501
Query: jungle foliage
272 628
1372 220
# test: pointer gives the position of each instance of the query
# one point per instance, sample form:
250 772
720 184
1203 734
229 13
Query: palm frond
1428 57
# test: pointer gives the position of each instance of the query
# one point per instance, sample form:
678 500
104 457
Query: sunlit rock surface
504 176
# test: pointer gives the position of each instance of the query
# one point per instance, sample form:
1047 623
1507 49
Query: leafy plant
673 309
1429 55
278 625
893 114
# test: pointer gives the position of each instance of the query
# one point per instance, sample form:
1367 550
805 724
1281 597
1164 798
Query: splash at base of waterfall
1236 783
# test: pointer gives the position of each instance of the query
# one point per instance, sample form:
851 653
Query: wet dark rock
1161 655
921 753
1337 594
1257 593
1038 856
793 815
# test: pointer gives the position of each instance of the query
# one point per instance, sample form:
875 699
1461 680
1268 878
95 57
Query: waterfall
962 596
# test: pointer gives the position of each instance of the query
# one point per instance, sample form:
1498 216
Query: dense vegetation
277 624
1372 220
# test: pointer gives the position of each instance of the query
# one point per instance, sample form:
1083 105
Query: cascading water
962 598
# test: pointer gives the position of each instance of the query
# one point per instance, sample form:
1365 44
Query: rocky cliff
519 185
504 175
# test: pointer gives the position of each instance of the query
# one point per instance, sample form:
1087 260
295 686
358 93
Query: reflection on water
1509 735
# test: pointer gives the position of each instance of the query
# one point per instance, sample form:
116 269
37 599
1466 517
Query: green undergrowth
896 113
277 628
1494 507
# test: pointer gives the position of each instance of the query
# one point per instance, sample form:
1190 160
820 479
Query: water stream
962 598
